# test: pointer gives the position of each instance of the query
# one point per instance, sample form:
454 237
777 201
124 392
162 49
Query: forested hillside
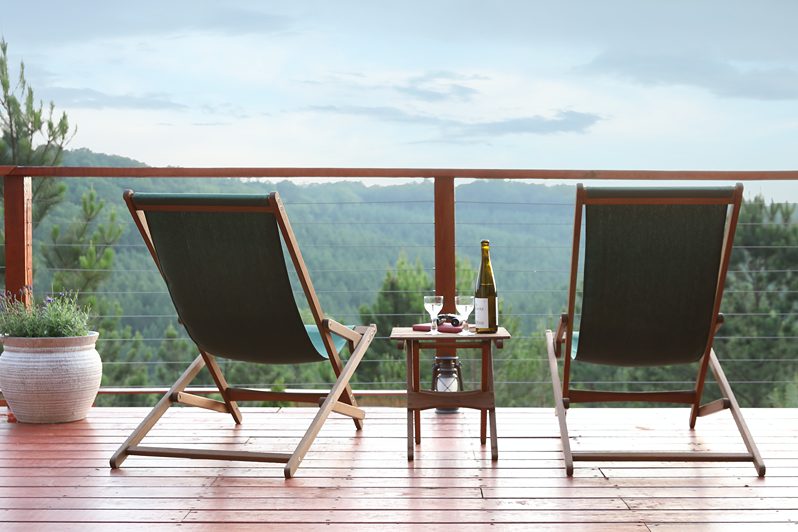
370 254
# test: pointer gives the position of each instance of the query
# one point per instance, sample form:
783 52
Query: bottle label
481 312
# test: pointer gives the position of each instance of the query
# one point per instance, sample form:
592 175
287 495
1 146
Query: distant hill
86 157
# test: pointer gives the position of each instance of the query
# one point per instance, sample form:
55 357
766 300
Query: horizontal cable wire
421 312
406 315
469 246
459 358
388 338
474 384
537 203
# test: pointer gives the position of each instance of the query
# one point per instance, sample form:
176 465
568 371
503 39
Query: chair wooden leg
347 396
558 405
699 389
221 383
324 411
158 410
330 404
726 390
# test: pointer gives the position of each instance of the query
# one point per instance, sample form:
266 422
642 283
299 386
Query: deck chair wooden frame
561 342
340 399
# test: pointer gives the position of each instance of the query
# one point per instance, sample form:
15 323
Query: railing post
445 274
18 206
445 279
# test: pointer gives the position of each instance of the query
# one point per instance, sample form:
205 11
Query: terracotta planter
50 380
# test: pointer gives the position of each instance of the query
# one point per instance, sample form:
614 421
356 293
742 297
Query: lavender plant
56 316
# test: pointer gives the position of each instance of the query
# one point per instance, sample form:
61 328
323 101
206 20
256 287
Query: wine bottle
486 304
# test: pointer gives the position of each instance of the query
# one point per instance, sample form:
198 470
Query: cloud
438 86
722 78
211 124
225 110
432 86
458 130
451 91
562 122
385 113
93 99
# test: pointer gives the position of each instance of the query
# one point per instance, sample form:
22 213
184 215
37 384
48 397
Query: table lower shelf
472 399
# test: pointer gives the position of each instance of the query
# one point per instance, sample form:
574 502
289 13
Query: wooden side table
483 399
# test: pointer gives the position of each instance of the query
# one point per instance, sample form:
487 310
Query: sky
658 85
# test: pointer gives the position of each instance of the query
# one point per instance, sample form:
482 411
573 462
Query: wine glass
464 306
433 305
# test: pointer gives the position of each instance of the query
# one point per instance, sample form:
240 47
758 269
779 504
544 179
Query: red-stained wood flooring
56 477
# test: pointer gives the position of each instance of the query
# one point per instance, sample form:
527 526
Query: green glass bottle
486 303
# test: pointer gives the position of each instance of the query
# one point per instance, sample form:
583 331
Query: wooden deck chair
655 263
222 259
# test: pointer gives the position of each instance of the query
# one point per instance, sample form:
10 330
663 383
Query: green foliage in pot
56 316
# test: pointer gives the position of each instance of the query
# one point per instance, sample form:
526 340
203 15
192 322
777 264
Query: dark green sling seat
249 313
650 277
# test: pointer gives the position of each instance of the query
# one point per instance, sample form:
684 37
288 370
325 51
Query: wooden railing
18 206
17 194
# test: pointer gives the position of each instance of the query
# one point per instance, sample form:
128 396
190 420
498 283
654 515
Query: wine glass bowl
464 306
433 305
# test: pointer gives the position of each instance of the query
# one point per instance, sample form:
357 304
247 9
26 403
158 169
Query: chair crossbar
247 394
189 399
714 406
208 454
346 409
594 396
645 456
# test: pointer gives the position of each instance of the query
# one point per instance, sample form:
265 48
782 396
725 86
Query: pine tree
398 304
31 135
82 254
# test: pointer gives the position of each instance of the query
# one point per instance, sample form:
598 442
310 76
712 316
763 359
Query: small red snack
444 328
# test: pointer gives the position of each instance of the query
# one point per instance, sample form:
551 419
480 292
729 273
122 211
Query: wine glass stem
433 327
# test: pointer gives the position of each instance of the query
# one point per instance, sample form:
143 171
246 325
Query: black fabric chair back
226 273
650 277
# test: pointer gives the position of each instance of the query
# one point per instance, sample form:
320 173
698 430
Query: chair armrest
559 337
341 330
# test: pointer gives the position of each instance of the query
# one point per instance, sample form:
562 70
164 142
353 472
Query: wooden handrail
474 173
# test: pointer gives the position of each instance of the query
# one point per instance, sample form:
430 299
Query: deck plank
57 476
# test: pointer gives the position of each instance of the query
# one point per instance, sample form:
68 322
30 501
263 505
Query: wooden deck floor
57 476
